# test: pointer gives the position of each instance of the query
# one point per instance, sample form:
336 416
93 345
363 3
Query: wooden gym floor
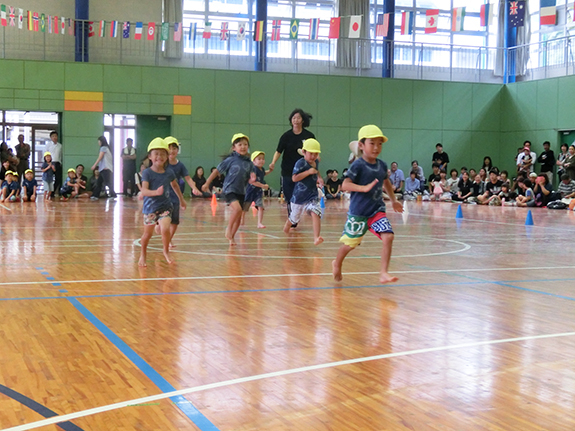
478 334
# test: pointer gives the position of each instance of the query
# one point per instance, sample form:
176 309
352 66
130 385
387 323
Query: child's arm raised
298 177
176 188
349 186
206 186
388 187
150 193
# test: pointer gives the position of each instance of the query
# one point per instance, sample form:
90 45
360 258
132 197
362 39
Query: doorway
117 129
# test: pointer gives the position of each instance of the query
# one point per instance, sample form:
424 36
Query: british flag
224 32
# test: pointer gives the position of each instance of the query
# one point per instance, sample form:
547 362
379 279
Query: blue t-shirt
47 176
29 185
305 190
237 170
180 171
254 193
155 180
14 186
5 184
362 173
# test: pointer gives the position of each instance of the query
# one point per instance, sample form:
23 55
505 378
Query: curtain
173 12
354 52
518 56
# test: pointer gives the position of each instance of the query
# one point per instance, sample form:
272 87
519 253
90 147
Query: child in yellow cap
29 186
70 187
48 169
254 192
239 172
305 197
364 180
10 187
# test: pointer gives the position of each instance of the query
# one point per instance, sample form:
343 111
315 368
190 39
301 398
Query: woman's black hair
198 168
453 170
415 161
564 145
306 118
490 162
103 141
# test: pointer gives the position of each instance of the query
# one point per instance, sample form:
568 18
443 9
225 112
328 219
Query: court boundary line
148 399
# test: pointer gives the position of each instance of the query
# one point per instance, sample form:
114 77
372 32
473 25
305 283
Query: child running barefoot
305 196
254 192
158 207
239 171
366 206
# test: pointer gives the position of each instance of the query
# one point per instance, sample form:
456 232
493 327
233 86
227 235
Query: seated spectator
70 187
397 179
465 189
10 191
504 177
472 174
29 186
443 190
419 172
566 187
506 196
434 177
200 180
463 169
6 166
492 189
515 186
453 182
526 199
412 185
483 175
333 185
82 182
217 183
543 190
94 179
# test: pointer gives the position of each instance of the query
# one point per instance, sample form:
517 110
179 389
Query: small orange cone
214 200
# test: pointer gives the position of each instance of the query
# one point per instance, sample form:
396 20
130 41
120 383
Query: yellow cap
47 154
239 136
28 170
14 173
311 146
8 173
256 153
158 144
370 131
71 170
171 140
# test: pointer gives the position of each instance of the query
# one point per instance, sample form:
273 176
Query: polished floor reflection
477 334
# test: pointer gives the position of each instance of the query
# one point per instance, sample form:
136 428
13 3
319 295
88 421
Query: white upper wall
108 10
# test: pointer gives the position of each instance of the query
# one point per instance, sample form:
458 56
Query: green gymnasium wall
471 120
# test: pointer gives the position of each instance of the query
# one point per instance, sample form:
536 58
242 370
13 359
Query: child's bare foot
261 226
172 246
167 257
318 240
230 238
142 261
387 278
336 271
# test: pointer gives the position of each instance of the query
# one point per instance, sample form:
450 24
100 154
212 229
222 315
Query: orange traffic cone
214 200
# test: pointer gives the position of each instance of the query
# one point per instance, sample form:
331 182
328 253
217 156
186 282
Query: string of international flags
40 22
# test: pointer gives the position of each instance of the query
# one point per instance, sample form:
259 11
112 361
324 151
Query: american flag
381 27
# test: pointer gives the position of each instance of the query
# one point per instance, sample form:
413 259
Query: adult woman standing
560 159
569 162
289 144
105 165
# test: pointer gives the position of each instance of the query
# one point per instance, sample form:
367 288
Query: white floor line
6 208
102 409
322 274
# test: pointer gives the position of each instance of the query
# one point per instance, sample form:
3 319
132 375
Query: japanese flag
354 26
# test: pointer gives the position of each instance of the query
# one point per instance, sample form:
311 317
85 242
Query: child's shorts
233 197
298 209
176 214
48 186
66 190
155 217
356 227
259 203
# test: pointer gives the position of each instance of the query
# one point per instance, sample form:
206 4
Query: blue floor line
184 405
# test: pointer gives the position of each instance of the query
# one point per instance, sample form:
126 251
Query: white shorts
296 210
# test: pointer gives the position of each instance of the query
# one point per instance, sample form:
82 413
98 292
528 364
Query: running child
29 186
157 209
366 206
180 171
48 169
305 196
239 172
254 192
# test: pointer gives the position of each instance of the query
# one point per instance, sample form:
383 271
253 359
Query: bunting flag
177 32
102 29
486 15
49 22
62 25
516 13
12 16
151 30
20 18
241 31
126 30
139 30
114 29
91 29
294 28
314 28
354 26
224 32
276 29
407 23
3 20
431 17
30 21
165 32
192 33
43 23
71 26
381 27
207 30
457 17
36 18
548 12
56 25
259 31
334 28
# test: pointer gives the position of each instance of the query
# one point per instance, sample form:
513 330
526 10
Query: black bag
557 205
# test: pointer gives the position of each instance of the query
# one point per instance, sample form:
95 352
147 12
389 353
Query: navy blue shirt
254 193
305 190
14 186
237 170
29 185
47 176
180 171
155 180
362 173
